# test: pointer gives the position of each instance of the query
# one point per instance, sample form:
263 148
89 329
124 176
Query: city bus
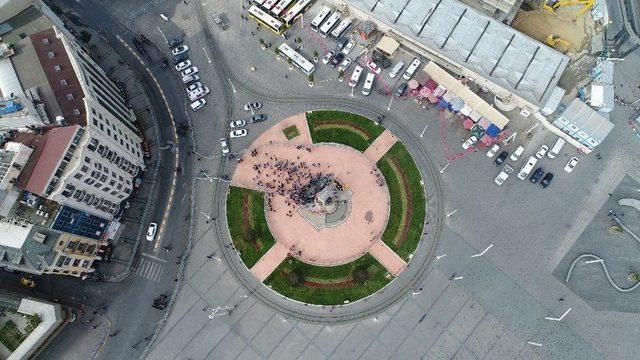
295 11
269 4
320 18
325 29
341 28
265 19
282 5
298 60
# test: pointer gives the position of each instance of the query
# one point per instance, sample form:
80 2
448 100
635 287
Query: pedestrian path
380 146
149 269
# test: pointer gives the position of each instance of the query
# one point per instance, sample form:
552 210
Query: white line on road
390 101
534 343
424 130
560 318
161 33
206 54
440 256
484 251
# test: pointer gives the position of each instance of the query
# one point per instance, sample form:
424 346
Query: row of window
70 261
65 161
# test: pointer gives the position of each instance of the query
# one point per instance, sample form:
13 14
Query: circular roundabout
327 211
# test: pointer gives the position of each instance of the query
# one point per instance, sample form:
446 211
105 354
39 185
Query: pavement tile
446 346
485 334
205 340
464 354
393 335
312 353
271 334
330 336
408 315
229 348
376 351
219 298
181 334
291 346
253 320
432 287
188 299
448 305
506 347
308 329
468 317
529 353
411 348
207 276
354 344
248 354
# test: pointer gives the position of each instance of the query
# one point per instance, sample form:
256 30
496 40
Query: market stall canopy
484 123
474 115
413 84
432 98
493 130
387 45
431 85
448 96
466 110
457 104
474 101
486 140
440 90
467 123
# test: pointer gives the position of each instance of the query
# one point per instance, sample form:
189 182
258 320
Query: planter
264 47
310 84
290 68
315 60
341 79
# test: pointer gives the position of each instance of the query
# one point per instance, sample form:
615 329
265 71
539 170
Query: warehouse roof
495 51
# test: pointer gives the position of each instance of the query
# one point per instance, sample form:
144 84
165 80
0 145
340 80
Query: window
93 111
76 262
84 168
103 178
87 160
76 112
89 181
114 192
63 82
69 96
56 68
106 188
78 176
97 185
67 261
95 122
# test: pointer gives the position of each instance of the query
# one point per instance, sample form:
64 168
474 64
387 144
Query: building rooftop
495 51
584 122
29 246
14 233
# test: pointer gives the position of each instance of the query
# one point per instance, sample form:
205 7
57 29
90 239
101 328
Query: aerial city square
319 179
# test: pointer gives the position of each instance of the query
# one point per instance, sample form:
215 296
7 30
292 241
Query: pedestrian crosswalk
149 269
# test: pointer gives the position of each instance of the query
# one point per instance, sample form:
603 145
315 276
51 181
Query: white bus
341 28
259 2
298 60
368 84
320 18
325 29
265 19
278 9
295 11
411 69
269 4
355 77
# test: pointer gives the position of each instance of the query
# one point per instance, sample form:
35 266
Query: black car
180 58
501 158
258 118
174 42
400 90
546 180
536 175
337 59
380 58
341 43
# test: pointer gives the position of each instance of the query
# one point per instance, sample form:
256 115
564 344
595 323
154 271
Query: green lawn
248 225
291 132
343 128
345 287
10 336
406 218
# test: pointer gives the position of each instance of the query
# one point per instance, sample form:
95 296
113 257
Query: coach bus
279 9
269 4
265 19
320 18
325 29
298 60
295 11
341 28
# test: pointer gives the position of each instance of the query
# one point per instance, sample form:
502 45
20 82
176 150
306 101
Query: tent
439 91
477 131
456 104
475 116
467 123
442 104
493 130
387 46
432 98
486 140
413 84
484 123
431 85
448 96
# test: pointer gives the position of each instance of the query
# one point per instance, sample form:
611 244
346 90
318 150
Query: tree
85 36
277 51
360 275
289 61
295 277
261 41
341 73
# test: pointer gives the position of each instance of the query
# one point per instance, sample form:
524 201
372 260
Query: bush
311 78
295 277
360 275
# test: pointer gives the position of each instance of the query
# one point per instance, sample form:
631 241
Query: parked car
190 71
198 104
180 58
237 124
252 106
194 86
396 69
258 118
327 57
174 42
571 164
381 59
183 65
224 145
542 151
198 93
469 142
238 133
189 79
492 152
373 67
504 174
536 175
400 90
526 169
546 180
27 282
345 64
180 49
347 49
341 43
501 158
516 154
151 231
337 59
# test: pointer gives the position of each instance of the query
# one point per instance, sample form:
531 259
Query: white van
396 69
411 69
355 76
368 83
555 150
526 169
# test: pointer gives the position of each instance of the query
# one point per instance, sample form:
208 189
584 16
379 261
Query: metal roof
587 120
9 83
495 51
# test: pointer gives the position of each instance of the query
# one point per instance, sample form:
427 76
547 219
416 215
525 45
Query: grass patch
328 285
10 336
248 225
291 132
342 128
406 218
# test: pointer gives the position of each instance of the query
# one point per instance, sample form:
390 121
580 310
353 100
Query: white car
183 65
504 174
252 106
224 145
190 71
347 49
345 64
198 93
328 57
238 133
373 67
470 141
571 164
198 104
492 152
237 124
180 49
190 79
151 231
542 151
516 154
194 86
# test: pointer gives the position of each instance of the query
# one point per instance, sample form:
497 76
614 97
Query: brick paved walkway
380 146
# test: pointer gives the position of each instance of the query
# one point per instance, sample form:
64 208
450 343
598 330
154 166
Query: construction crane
558 43
552 5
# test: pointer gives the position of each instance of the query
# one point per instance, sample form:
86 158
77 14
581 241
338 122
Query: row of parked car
189 74
238 126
